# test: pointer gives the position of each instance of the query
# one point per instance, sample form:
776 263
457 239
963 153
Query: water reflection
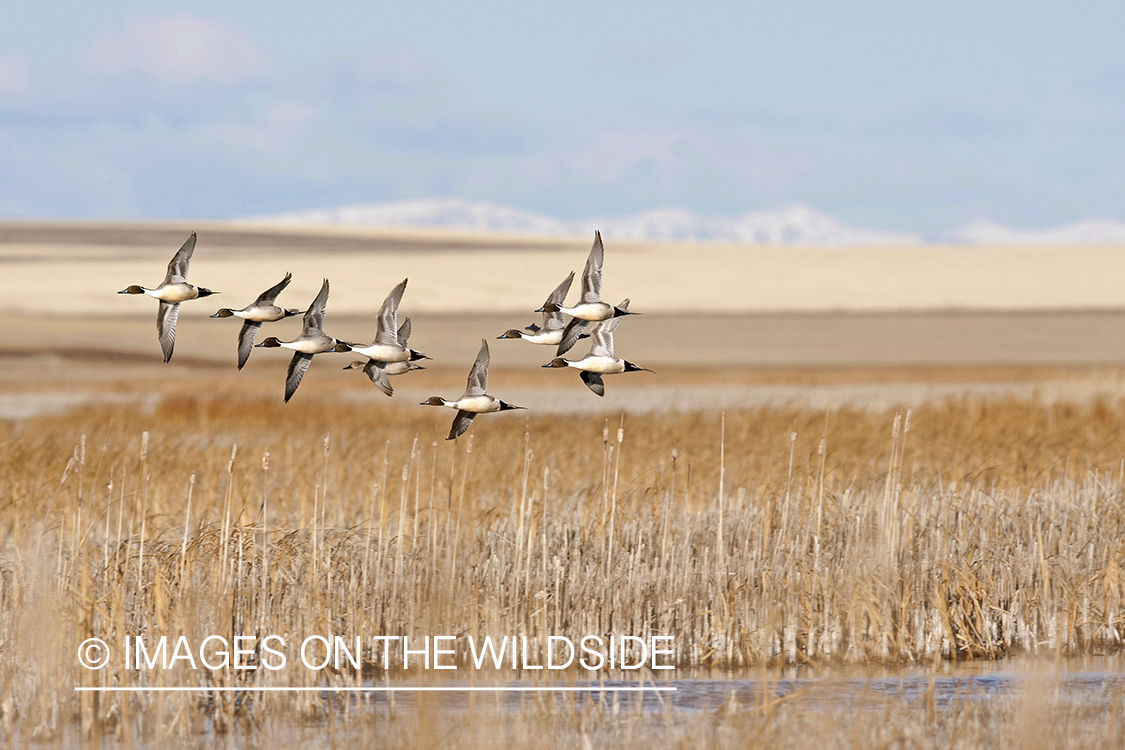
830 689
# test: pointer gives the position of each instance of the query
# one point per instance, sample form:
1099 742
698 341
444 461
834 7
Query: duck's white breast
591 311
601 365
550 338
175 292
478 404
311 345
261 313
384 353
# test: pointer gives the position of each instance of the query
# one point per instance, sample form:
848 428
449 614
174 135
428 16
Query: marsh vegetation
764 539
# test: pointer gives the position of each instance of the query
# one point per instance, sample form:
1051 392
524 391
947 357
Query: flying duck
378 371
551 334
590 306
262 310
311 341
475 400
171 293
386 347
600 360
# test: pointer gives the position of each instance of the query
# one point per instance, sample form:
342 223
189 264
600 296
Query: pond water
1064 703
1088 683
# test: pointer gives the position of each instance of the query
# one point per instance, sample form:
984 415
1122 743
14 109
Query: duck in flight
261 310
601 359
551 334
174 290
590 307
475 399
386 347
378 371
311 341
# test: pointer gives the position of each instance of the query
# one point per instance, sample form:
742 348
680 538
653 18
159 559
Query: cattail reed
224 542
265 519
187 526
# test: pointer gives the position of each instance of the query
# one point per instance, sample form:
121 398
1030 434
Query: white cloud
177 49
15 74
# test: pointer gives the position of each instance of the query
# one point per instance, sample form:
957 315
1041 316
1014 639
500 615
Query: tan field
817 326
455 273
898 525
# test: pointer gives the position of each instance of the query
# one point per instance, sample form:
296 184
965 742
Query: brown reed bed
762 538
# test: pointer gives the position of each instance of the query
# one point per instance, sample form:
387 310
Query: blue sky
911 116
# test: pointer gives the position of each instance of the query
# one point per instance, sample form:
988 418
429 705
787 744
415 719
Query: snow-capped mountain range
1087 232
787 225
793 224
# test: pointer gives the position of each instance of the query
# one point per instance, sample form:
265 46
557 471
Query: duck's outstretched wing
246 340
314 316
602 333
267 297
297 367
592 276
178 266
377 371
478 376
594 382
404 332
387 331
166 316
553 321
461 423
573 331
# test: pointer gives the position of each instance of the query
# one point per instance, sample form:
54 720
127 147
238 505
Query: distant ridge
791 224
1087 232
794 224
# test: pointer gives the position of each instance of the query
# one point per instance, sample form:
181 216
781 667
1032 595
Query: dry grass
974 530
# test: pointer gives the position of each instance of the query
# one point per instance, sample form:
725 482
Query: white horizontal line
400 689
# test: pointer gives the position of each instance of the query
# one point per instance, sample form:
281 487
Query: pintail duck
262 310
601 360
475 400
386 347
171 293
551 334
311 341
378 371
590 306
